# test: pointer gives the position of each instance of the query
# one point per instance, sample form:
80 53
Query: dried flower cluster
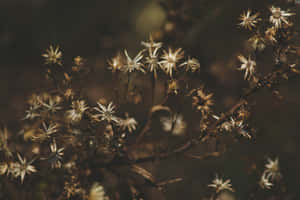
88 141
168 62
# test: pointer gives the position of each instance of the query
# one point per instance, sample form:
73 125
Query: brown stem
153 85
268 79
147 127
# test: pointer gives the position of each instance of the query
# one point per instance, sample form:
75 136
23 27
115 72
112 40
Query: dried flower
270 34
257 42
53 56
133 64
265 181
151 44
174 124
173 86
249 21
192 64
32 112
50 129
22 168
240 127
220 185
106 113
52 105
115 63
56 155
170 59
97 192
73 188
279 16
129 123
272 168
152 61
46 131
202 101
78 108
248 65
69 93
78 60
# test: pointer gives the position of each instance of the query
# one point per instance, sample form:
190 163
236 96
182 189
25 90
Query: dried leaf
160 107
143 172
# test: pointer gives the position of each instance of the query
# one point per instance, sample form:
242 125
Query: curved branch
267 80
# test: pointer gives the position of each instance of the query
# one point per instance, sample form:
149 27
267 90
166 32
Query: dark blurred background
98 29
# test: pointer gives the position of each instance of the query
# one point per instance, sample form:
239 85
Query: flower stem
153 81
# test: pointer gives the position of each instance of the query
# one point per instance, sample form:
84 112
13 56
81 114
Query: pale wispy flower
221 185
170 59
78 108
32 112
115 63
50 129
46 131
106 113
265 182
152 61
56 154
270 34
249 21
257 42
202 101
129 123
240 127
192 64
133 64
97 192
53 56
78 60
174 123
272 168
227 126
173 86
278 16
22 168
52 105
151 44
248 65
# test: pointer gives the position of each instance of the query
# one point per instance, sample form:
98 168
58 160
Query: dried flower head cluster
201 100
265 31
88 142
168 62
